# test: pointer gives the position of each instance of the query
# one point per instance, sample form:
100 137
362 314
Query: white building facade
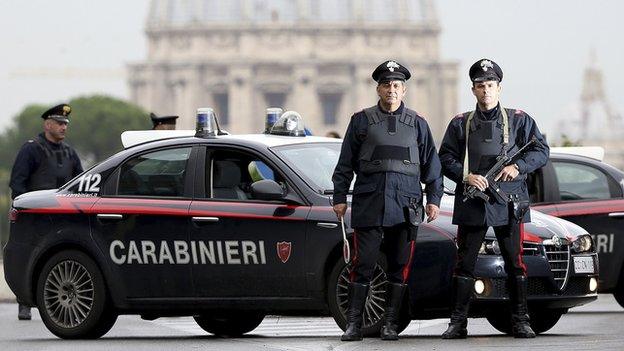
312 56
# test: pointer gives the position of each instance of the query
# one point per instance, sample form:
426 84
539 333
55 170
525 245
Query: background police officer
163 122
45 162
391 150
489 131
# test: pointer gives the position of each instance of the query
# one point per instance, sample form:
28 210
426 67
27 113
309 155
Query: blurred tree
96 123
566 141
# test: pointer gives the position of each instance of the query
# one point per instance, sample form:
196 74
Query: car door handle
327 225
113 216
616 214
205 219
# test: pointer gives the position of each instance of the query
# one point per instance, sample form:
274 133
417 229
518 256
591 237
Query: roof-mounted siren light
290 123
207 123
272 114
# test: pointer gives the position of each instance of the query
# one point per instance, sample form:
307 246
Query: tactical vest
485 142
390 144
55 168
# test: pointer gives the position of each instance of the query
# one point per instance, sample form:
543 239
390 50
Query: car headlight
583 243
489 247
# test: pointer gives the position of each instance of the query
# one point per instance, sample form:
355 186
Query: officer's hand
508 173
340 210
478 180
432 212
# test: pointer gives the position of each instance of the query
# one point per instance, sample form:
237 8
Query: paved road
597 326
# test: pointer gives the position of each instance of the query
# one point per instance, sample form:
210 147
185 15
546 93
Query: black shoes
520 321
394 297
357 300
462 293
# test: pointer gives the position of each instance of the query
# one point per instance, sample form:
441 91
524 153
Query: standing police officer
45 162
390 149
472 142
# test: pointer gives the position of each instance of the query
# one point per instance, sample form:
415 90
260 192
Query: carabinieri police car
229 228
576 185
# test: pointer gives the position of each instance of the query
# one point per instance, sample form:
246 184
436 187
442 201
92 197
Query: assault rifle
503 160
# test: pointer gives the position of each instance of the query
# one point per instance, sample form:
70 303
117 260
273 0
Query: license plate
583 265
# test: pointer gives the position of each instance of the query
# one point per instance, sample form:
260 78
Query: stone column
304 96
241 101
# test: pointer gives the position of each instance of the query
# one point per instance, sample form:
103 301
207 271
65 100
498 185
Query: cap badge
392 65
485 64
66 110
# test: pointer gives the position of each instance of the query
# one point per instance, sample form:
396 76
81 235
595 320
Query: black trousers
510 238
396 242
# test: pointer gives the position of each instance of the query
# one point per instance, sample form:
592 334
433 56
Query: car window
231 173
159 173
580 182
314 162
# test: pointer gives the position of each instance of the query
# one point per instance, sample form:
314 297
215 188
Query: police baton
346 251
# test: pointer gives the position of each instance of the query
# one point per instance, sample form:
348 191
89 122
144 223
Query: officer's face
55 129
487 93
391 93
164 127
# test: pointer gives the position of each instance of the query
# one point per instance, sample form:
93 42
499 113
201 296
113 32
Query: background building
311 56
593 121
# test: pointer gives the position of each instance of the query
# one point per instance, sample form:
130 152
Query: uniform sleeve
430 168
23 167
537 154
451 152
343 173
77 164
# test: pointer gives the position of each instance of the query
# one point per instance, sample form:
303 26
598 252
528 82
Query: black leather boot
521 328
462 292
394 297
357 300
23 313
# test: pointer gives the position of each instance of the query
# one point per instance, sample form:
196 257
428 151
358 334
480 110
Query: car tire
231 324
337 291
541 321
619 291
72 298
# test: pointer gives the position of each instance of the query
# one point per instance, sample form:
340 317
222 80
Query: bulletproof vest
390 144
55 168
485 143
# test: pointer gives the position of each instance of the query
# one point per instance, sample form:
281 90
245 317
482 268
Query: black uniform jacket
379 198
476 211
27 161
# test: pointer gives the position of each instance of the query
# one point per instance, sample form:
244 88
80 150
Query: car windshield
314 162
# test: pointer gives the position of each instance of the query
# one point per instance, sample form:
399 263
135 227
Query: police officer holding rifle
488 152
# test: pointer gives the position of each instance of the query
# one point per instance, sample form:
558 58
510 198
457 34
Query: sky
56 50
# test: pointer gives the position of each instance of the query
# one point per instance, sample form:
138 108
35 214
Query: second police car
229 228
576 185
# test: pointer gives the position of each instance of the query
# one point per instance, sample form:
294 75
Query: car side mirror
266 189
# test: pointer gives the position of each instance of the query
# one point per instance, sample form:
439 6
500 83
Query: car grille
531 249
559 260
543 287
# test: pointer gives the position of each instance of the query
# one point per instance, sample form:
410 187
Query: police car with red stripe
577 186
230 228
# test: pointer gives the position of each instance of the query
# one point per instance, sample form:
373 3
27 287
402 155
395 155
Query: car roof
147 137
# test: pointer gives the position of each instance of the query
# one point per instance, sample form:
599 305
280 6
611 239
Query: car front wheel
619 291
72 297
229 323
337 296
